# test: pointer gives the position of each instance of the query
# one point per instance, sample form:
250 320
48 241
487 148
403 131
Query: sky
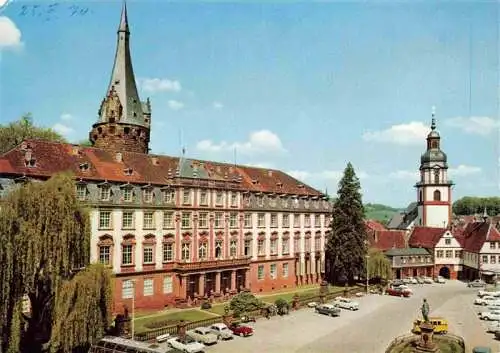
301 87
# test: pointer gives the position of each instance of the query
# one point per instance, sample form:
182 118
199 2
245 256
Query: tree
346 243
379 266
12 134
244 302
475 205
44 244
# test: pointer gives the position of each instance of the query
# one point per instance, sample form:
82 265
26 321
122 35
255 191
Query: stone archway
444 272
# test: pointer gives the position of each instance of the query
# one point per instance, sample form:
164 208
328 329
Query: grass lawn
218 308
288 296
187 315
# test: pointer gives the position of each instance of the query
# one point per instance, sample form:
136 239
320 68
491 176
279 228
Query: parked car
420 280
490 315
406 288
406 280
188 345
327 309
486 300
428 280
483 293
345 303
397 292
312 304
440 279
203 335
493 326
413 280
397 282
221 331
241 330
476 283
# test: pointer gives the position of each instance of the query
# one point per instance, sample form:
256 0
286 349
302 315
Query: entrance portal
444 272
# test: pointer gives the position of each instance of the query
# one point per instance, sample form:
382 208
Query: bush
159 324
282 306
206 306
244 302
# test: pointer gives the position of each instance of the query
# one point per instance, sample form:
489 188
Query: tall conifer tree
346 246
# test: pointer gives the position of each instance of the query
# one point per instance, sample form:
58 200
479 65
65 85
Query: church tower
434 187
123 120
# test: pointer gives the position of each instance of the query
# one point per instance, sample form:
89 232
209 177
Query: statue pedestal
426 344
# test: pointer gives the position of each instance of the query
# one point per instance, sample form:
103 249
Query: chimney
119 157
154 160
270 173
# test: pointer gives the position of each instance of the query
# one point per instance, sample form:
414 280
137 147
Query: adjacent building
173 228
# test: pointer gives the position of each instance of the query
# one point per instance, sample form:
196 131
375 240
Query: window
404 260
260 201
149 221
186 197
127 254
105 193
233 220
440 253
168 252
493 259
260 272
285 269
105 219
485 259
218 223
296 244
260 247
492 245
285 221
219 198
458 254
127 194
308 244
148 287
202 251
327 221
317 244
233 248
284 203
248 220
127 220
449 253
447 241
317 221
234 199
203 197
261 221
285 246
185 253
81 192
295 202
248 247
274 220
272 271
186 220
169 196
148 254
274 246
307 220
437 195
168 285
203 220
296 220
218 249
148 195
272 201
168 220
127 289
104 254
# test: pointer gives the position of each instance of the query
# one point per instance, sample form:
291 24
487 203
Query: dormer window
105 193
284 202
30 163
300 186
81 192
272 202
279 184
169 196
127 194
84 167
219 198
148 195
255 181
186 197
306 203
295 202
128 171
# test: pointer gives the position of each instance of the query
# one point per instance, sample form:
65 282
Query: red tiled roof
54 157
374 225
425 237
388 239
474 236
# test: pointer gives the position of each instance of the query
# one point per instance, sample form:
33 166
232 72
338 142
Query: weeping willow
379 265
44 241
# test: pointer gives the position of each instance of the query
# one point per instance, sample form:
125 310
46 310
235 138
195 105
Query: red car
241 330
398 292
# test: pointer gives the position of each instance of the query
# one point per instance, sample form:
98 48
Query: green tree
379 265
245 302
346 245
44 245
469 205
12 134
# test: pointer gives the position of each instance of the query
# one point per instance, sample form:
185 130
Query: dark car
398 292
241 330
327 309
397 282
477 283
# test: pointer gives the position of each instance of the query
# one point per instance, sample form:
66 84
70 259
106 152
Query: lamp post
367 276
133 310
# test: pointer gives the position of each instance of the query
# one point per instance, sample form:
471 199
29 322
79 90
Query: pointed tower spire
433 122
124 19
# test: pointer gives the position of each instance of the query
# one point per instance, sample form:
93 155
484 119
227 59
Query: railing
186 266
151 335
206 322
400 339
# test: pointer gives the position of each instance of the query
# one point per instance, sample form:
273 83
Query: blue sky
302 87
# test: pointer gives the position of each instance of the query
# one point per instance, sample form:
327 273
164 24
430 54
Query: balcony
212 264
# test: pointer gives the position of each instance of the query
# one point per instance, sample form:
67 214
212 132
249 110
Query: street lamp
133 310
367 276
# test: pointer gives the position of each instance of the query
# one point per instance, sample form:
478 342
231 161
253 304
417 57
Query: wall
268 284
437 215
453 246
492 251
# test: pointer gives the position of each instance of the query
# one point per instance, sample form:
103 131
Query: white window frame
148 287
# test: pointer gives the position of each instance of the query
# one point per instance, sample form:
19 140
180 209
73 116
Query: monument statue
425 310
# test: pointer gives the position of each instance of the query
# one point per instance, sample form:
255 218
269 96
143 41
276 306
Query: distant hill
378 212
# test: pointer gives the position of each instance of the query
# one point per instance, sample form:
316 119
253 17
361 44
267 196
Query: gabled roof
474 236
388 239
374 225
425 237
54 157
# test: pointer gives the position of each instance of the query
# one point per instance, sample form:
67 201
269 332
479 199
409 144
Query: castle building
175 229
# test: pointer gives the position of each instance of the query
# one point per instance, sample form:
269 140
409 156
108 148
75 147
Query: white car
486 300
493 327
428 280
483 293
203 335
413 280
221 331
312 304
440 279
491 315
345 303
406 288
188 345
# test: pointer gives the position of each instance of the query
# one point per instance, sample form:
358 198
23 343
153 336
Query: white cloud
463 170
261 165
175 105
325 175
10 35
66 117
160 85
412 133
299 174
405 175
460 171
62 129
217 105
258 142
477 125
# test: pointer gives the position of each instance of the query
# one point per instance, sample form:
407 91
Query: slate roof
388 239
403 219
407 251
53 157
425 237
